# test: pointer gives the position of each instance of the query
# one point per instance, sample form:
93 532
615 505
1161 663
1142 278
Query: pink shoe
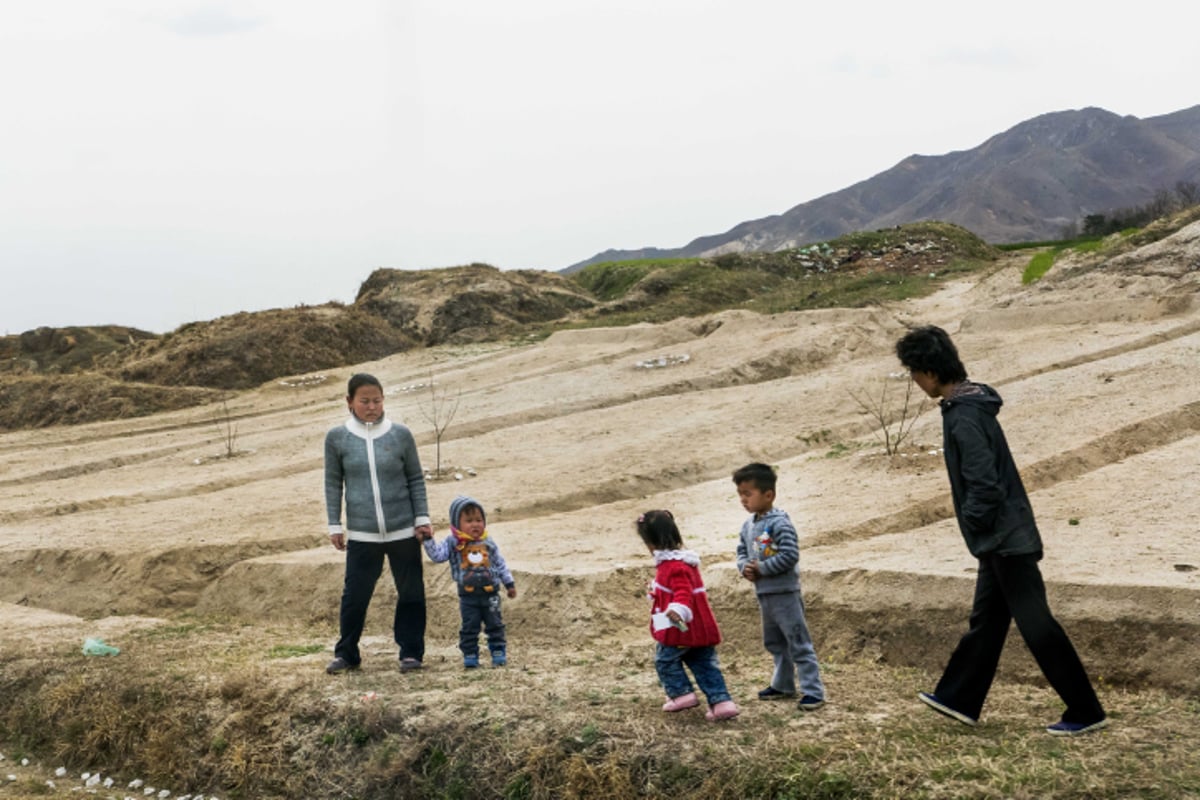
722 710
681 703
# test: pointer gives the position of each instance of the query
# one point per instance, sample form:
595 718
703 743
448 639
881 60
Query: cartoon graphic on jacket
476 565
678 587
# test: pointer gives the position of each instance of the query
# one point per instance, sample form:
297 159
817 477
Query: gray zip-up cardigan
377 467
772 541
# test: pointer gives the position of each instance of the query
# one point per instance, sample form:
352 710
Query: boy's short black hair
659 531
929 349
359 380
762 476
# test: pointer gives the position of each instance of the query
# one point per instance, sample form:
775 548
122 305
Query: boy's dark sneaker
470 662
931 700
1075 728
410 664
340 665
771 693
810 703
499 659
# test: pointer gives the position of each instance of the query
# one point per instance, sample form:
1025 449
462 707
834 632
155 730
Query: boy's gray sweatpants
786 637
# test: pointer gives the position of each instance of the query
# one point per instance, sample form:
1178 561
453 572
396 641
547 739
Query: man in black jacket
997 523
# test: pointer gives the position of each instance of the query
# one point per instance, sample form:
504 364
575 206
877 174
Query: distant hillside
1026 184
54 376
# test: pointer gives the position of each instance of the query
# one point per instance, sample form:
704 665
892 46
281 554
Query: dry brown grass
214 708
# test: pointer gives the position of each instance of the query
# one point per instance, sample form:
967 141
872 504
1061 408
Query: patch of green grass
294 650
1039 265
838 450
612 279
589 735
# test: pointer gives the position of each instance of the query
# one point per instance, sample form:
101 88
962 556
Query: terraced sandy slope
126 524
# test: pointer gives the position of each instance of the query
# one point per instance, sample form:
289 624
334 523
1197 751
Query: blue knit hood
458 504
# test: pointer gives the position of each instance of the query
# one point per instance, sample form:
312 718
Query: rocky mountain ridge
1025 184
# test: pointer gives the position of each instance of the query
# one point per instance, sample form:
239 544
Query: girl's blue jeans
702 661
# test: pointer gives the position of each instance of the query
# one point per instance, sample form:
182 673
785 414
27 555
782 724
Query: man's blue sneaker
499 659
1075 728
940 707
470 662
810 703
771 693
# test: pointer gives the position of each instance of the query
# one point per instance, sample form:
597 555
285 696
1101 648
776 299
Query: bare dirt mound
244 350
471 303
37 401
64 350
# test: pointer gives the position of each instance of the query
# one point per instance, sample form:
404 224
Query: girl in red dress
682 622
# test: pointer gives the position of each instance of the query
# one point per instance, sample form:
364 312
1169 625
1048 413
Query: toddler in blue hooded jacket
479 571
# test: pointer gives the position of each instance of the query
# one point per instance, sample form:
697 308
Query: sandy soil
118 525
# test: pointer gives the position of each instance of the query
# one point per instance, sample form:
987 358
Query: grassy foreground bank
234 711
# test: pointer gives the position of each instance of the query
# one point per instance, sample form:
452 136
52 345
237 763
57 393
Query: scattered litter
458 476
136 783
61 772
307 380
24 762
663 361
369 696
97 647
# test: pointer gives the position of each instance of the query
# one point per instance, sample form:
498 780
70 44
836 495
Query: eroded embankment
1127 635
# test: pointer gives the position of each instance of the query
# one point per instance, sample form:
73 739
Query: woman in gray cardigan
371 464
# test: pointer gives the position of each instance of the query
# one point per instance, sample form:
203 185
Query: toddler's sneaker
940 707
1064 728
499 659
470 662
810 703
771 693
410 664
726 709
681 703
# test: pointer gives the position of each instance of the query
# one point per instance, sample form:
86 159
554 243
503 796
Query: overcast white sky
164 161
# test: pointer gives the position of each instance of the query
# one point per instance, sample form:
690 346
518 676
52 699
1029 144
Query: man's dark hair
659 531
929 349
761 476
359 380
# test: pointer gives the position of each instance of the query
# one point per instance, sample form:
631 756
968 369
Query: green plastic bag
97 647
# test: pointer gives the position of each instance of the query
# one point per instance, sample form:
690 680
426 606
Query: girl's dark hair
359 380
929 349
658 530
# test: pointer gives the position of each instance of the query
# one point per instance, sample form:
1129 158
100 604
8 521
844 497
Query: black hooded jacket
993 510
